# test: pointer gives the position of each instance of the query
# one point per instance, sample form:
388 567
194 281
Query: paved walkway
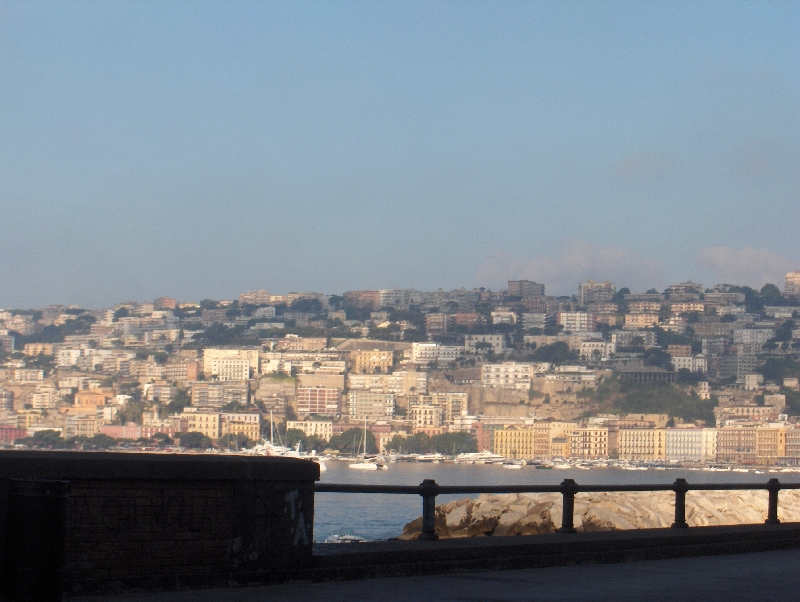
764 576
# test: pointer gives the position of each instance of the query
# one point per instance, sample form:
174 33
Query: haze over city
202 150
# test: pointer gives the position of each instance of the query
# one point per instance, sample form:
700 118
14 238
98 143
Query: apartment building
321 429
425 416
207 423
425 353
595 292
318 400
454 405
576 321
692 363
230 364
369 405
637 321
589 442
497 342
509 375
399 382
241 423
737 444
217 394
642 444
371 361
525 288
689 445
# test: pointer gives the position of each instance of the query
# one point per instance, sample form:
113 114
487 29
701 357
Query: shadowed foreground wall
147 521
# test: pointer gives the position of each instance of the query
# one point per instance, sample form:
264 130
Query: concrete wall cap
193 467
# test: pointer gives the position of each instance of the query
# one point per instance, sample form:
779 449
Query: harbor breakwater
538 513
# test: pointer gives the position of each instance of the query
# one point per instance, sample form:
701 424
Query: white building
504 317
534 320
313 428
597 350
426 416
369 405
576 321
230 364
691 445
692 363
511 375
424 353
758 336
497 341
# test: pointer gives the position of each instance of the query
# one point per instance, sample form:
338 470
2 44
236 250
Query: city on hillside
689 374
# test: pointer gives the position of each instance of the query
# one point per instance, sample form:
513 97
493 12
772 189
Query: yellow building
37 348
92 398
642 444
367 362
539 440
589 442
207 423
515 443
770 444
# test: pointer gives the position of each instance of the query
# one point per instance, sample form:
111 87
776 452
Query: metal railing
429 489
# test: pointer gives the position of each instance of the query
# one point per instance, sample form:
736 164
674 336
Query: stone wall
147 521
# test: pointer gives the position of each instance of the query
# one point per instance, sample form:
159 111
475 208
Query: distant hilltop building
260 297
792 284
525 288
595 292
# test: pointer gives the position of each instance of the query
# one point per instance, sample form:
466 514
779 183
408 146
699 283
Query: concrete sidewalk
763 576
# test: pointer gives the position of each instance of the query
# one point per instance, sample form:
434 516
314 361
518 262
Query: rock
509 524
532 514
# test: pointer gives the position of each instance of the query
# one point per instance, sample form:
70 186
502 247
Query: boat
344 537
363 463
512 466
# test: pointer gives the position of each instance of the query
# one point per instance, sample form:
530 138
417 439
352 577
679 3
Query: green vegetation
662 398
194 440
446 443
237 441
349 442
776 369
556 353
56 334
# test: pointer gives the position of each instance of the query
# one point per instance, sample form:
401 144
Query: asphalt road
754 577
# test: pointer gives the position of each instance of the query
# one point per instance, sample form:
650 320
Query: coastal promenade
754 577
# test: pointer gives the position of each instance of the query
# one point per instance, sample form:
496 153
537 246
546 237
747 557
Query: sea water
382 516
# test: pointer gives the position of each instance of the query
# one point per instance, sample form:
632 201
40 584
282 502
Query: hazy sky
201 149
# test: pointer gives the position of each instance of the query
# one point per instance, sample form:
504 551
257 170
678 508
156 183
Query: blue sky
200 149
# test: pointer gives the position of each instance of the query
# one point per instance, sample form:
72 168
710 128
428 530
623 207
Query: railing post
680 487
568 490
429 489
773 486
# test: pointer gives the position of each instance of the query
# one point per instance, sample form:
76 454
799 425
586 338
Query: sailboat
363 463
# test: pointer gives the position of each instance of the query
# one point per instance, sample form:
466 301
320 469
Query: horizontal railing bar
501 489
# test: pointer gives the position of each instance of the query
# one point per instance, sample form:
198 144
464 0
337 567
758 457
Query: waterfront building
642 444
737 444
691 445
321 429
770 444
539 440
589 442
207 423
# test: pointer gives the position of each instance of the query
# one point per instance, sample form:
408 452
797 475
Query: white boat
344 538
363 463
512 466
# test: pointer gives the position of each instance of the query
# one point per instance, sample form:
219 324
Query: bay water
382 516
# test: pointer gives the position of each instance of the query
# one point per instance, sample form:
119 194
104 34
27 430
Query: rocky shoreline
537 513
